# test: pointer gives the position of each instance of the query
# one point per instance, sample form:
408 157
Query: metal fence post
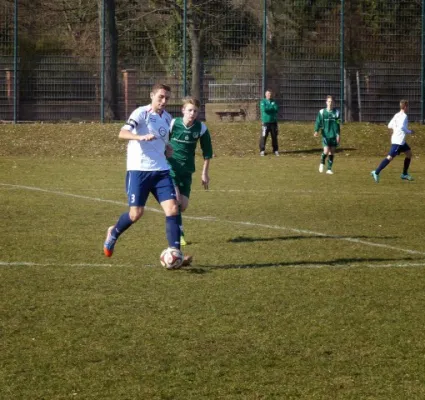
184 48
422 62
264 48
15 63
102 62
342 62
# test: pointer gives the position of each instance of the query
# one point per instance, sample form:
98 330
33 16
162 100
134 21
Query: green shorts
183 181
330 142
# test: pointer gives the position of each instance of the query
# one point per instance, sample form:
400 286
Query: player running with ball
185 133
146 132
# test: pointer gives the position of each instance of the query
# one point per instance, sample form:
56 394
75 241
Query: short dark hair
159 86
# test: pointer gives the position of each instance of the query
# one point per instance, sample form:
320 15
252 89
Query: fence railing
85 60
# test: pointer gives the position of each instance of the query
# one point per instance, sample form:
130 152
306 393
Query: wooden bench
237 111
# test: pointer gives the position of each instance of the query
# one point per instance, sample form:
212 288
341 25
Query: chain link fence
85 60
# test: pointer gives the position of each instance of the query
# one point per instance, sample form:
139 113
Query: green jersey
183 140
269 110
328 122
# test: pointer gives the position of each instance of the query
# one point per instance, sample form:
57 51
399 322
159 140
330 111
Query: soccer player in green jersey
185 133
328 121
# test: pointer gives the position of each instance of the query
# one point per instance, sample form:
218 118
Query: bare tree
202 18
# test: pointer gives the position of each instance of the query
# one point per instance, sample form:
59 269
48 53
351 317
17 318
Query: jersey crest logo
186 137
162 131
195 135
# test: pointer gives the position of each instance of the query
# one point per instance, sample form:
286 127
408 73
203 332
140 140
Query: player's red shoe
108 246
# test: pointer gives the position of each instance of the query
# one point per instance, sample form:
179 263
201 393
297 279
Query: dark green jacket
268 109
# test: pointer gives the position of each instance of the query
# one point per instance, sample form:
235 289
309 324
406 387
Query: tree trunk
111 51
195 42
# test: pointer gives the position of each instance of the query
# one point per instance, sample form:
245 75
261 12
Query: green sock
323 158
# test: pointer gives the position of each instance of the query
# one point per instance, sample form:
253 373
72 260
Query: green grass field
304 285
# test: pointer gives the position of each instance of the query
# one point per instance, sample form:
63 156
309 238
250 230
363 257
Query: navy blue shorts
139 184
396 149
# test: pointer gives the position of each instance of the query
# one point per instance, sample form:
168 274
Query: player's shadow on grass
244 239
339 262
317 151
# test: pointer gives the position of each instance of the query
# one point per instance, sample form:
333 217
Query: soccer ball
171 258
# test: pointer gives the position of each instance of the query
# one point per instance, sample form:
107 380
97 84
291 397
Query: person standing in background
268 111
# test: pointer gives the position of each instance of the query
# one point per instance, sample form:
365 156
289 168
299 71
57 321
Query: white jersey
148 155
399 125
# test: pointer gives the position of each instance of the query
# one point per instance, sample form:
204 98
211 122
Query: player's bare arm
168 151
178 195
205 177
127 135
147 138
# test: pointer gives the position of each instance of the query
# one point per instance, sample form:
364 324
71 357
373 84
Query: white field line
214 219
237 191
302 191
306 266
34 264
312 233
77 196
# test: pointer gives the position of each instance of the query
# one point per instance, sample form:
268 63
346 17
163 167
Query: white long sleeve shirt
399 125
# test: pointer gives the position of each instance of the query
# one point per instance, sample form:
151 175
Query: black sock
406 165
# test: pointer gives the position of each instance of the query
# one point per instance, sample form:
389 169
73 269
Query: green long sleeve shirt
328 122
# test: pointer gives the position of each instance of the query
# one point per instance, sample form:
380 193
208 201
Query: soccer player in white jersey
147 169
399 127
